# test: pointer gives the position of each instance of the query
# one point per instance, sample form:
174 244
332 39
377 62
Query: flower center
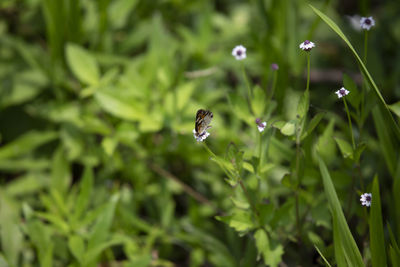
368 21
306 42
239 52
342 91
368 198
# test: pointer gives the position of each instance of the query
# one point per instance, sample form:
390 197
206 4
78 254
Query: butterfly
203 119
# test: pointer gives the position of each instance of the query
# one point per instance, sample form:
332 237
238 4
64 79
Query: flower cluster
366 199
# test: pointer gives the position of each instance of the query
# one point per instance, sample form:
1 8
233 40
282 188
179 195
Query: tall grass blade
350 249
364 70
376 235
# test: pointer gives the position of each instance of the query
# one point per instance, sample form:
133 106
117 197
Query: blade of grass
350 249
364 70
322 256
376 235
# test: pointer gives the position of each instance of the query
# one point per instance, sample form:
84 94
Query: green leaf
82 64
119 105
101 229
376 234
272 256
77 247
304 102
258 101
364 70
240 220
395 108
60 172
85 191
26 143
345 148
350 249
313 123
286 128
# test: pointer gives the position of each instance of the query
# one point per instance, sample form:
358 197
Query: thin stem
308 71
365 47
259 152
249 199
351 128
274 78
249 94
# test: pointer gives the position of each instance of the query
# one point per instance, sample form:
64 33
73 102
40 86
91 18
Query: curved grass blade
350 249
364 70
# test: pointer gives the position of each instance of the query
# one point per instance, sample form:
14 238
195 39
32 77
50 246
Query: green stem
351 128
365 47
308 71
259 152
274 78
249 94
252 206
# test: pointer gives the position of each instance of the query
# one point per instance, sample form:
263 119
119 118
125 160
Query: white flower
342 92
367 23
307 45
261 125
200 137
366 199
239 52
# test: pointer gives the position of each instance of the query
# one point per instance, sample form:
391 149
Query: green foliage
99 167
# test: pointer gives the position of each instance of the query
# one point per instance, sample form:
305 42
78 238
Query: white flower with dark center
261 125
342 92
367 23
239 52
200 137
366 199
307 45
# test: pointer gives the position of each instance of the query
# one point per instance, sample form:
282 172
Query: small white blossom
261 125
200 137
366 199
367 23
307 45
239 52
342 92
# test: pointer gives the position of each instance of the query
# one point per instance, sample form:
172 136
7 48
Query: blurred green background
98 164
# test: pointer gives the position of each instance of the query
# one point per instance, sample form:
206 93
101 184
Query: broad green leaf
241 221
77 247
119 105
40 236
364 70
376 234
286 128
119 12
350 249
26 143
345 148
272 256
58 222
82 64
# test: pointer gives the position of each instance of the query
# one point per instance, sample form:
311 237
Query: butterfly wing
203 119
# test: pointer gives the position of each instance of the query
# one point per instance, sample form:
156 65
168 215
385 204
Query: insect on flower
203 119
